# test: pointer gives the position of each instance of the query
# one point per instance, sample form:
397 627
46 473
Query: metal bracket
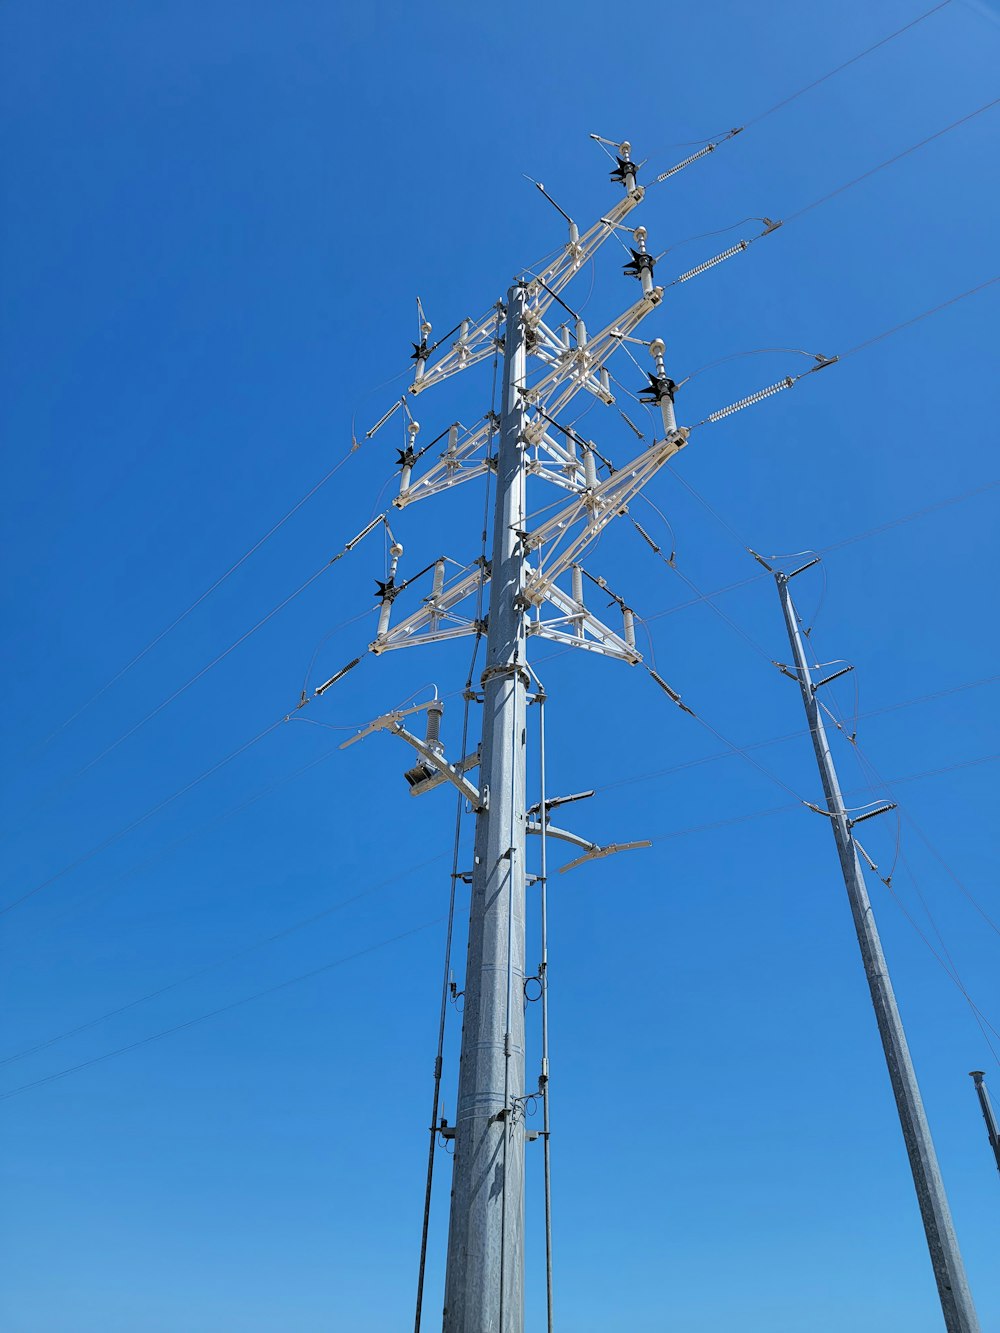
592 851
453 773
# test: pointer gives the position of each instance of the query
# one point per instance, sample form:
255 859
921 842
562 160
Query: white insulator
564 334
581 333
383 618
667 412
463 331
589 469
605 382
629 620
574 234
646 278
421 365
665 175
711 263
404 478
753 398
578 584
449 453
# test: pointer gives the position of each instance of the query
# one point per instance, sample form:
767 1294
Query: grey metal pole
949 1271
484 1283
984 1101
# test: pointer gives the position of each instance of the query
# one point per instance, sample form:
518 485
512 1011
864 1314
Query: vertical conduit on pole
946 1259
484 1283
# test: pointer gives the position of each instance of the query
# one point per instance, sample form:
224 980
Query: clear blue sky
217 217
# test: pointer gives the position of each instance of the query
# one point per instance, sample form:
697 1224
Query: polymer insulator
665 176
736 249
757 397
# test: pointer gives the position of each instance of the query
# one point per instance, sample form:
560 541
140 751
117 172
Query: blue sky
217 218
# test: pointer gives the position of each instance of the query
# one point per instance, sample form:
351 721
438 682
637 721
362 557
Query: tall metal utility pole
949 1271
978 1076
537 552
484 1284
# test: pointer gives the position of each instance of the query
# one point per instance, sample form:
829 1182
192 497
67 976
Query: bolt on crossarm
949 1271
484 1283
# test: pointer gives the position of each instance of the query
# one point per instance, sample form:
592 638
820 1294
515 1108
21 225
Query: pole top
977 1074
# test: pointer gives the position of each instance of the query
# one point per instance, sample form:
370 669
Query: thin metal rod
544 974
946 1259
445 980
987 1110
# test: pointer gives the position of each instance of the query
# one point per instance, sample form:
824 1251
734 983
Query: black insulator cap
658 388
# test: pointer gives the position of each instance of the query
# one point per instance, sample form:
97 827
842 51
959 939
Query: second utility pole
949 1271
484 1283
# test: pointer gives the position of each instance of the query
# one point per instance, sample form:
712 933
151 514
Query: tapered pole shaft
984 1105
484 1284
946 1259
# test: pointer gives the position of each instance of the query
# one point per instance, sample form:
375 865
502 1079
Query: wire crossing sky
219 222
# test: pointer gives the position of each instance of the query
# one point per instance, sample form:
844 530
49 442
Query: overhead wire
214 966
785 101
220 657
889 161
453 883
141 819
715 140
220 1009
799 734
158 638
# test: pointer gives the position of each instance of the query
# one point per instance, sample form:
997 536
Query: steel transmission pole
484 1284
949 1271
978 1076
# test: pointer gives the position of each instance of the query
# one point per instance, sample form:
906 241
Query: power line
109 888
221 962
897 157
853 60
158 638
222 1009
135 823
220 657
794 735
832 546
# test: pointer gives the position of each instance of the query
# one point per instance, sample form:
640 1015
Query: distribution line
111 887
951 966
220 657
793 735
857 537
949 871
142 819
221 962
875 531
763 115
158 638
716 139
662 837
222 1009
897 157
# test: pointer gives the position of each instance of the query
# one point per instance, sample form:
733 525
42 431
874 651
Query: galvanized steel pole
949 1271
484 1284
978 1076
